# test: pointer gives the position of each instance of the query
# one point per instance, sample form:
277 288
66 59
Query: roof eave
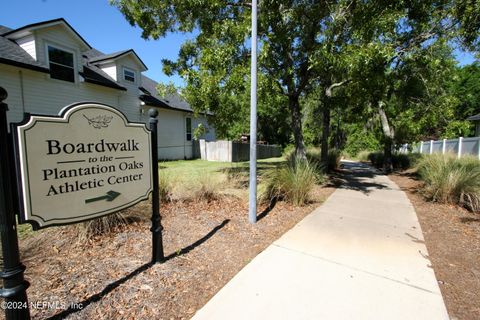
161 104
105 84
474 117
24 65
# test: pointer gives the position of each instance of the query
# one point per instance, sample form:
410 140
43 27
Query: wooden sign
86 163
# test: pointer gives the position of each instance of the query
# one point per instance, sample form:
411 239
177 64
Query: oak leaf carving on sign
99 122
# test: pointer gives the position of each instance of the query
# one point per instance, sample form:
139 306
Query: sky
105 28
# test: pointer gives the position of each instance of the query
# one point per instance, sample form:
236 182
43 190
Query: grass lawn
193 179
194 168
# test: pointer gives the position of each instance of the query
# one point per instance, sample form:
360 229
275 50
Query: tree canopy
379 60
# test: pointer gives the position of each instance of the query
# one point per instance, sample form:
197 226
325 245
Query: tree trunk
389 135
325 133
294 105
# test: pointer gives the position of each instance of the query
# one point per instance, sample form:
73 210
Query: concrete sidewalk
360 255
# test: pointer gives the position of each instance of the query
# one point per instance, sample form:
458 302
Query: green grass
200 179
24 231
195 168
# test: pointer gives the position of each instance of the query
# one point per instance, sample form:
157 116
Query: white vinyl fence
459 147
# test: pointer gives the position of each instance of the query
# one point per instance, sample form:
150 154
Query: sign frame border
64 115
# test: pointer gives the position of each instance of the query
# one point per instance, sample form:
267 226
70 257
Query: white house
47 65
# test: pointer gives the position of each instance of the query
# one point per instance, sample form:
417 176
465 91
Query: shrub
361 140
293 182
165 184
451 180
103 225
376 158
399 160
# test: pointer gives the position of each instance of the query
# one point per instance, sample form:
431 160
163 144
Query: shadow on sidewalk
355 177
112 286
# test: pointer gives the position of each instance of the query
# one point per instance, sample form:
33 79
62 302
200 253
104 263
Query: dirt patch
452 236
206 244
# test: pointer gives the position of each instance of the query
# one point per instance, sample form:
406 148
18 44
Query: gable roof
12 54
116 55
474 118
95 75
20 32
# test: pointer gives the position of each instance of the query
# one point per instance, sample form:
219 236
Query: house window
188 128
61 64
128 75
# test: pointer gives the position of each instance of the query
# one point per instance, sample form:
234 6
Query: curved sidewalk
360 255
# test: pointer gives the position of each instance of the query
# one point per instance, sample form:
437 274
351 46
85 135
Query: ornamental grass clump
165 186
451 180
207 186
100 226
293 182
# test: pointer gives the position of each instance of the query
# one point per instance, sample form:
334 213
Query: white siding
35 92
110 69
172 139
130 63
28 44
43 95
10 81
59 37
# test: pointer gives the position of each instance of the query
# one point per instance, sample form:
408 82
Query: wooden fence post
421 146
431 146
444 146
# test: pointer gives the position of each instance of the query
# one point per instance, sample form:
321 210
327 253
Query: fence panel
459 147
451 146
470 146
437 146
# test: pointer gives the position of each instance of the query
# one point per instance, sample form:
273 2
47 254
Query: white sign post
86 163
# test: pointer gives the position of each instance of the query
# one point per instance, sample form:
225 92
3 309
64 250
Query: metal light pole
252 213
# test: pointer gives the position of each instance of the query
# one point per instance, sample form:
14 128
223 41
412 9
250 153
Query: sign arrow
110 196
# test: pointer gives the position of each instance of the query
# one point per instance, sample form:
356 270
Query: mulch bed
206 244
452 236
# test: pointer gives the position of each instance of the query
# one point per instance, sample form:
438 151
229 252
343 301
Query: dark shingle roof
4 29
102 57
96 77
12 54
474 118
174 102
